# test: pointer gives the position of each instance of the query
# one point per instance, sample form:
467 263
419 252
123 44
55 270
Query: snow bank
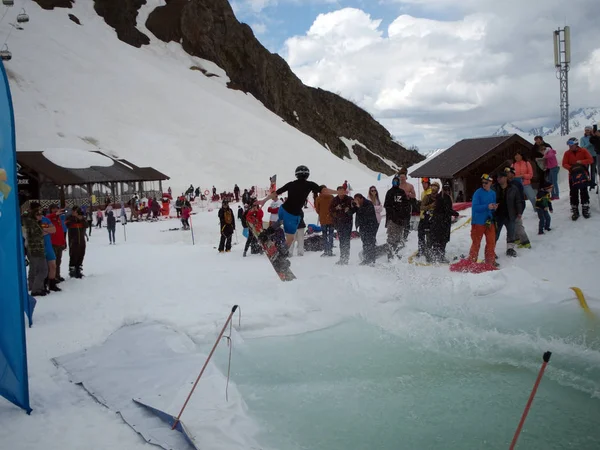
71 158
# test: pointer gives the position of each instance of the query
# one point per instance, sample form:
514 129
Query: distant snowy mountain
578 119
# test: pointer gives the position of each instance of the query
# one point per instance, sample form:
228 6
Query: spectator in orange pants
477 234
482 221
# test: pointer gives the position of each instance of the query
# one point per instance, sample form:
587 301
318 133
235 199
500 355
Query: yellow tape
582 301
411 258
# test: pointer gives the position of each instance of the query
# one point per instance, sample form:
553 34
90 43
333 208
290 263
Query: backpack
228 217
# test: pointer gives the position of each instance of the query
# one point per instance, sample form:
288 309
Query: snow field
160 276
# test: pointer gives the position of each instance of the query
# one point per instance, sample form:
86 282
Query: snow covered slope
78 86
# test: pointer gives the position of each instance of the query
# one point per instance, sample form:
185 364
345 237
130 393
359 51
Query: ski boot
53 286
78 273
524 245
574 213
72 271
585 211
511 252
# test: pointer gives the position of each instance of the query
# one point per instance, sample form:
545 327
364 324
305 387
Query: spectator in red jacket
59 241
575 161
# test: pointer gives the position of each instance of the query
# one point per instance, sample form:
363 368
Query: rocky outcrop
119 14
122 16
209 29
51 4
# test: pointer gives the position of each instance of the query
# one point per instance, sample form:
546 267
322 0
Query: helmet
573 141
302 172
425 180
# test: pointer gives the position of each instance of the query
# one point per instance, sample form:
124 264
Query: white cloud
437 81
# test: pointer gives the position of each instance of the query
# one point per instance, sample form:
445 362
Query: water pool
427 377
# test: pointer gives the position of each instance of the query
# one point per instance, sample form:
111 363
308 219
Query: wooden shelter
464 163
42 180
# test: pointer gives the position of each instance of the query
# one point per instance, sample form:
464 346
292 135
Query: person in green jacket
34 241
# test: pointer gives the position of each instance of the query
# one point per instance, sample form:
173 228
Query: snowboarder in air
291 209
227 224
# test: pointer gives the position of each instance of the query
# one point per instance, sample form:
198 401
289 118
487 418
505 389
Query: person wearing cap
397 217
34 239
423 228
522 240
575 161
539 150
509 207
76 224
482 221
58 239
543 206
441 222
585 142
227 226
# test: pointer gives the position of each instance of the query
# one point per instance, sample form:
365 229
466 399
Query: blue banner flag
14 300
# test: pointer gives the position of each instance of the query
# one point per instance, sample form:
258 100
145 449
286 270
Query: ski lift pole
233 310
546 358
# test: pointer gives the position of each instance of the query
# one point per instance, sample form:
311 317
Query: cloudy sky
435 71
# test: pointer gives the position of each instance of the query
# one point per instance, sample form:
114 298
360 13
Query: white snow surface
159 276
80 87
72 158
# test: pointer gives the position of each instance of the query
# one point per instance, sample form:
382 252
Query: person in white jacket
273 209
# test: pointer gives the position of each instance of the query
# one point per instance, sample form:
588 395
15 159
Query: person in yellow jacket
426 205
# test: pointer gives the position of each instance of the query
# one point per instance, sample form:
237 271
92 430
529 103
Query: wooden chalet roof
464 154
118 172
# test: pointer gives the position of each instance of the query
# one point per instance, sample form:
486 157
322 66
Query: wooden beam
63 201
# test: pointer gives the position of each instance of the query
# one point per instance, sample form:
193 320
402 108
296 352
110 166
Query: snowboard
272 241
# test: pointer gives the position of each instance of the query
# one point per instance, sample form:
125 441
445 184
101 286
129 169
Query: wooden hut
464 163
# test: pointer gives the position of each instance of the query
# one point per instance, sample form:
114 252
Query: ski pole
235 307
192 230
546 358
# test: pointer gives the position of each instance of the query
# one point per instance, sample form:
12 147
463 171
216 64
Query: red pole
204 366
546 358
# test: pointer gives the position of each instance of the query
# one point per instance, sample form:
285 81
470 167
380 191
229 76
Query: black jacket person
76 224
509 207
397 217
227 224
441 222
366 222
